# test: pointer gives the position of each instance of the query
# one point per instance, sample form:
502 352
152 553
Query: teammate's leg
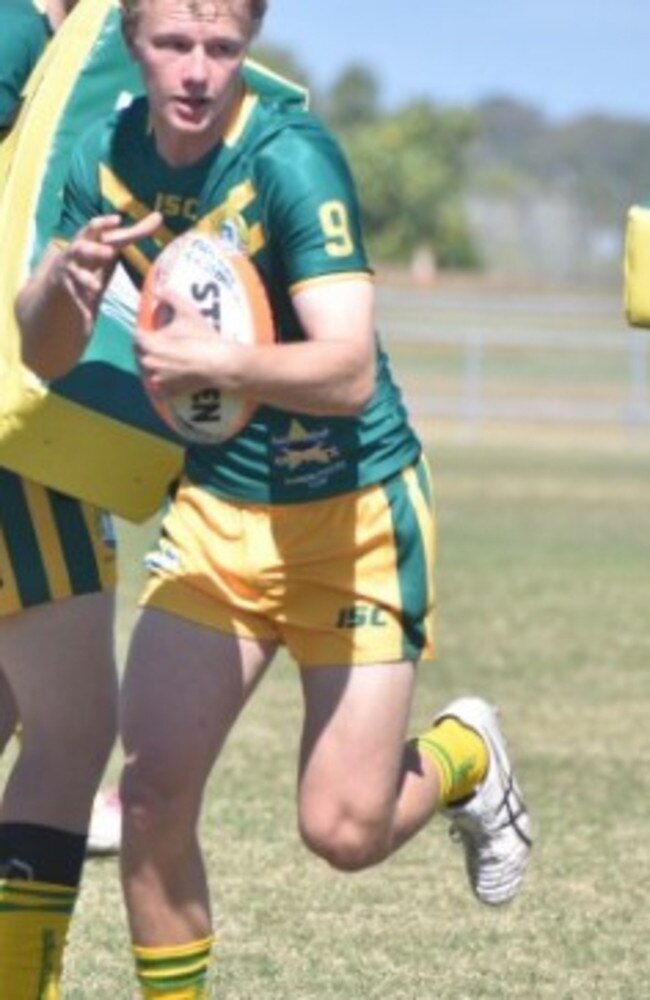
184 686
8 712
58 660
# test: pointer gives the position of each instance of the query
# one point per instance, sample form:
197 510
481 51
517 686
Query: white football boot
493 823
105 830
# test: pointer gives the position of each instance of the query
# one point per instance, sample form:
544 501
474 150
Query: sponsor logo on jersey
173 206
361 616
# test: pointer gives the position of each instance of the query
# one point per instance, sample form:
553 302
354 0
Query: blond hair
131 10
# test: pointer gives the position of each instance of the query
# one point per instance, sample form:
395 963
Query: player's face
190 53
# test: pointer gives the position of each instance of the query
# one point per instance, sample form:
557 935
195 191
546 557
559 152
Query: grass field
543 606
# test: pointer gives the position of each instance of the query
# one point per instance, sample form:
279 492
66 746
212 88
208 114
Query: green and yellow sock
175 973
41 869
34 921
460 755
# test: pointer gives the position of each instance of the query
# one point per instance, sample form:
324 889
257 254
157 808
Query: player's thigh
183 688
58 660
354 729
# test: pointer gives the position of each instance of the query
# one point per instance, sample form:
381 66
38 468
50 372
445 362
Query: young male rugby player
269 541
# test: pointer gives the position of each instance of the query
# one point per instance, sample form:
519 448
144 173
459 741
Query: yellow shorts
347 580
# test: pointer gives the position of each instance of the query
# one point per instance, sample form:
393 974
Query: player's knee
348 842
152 807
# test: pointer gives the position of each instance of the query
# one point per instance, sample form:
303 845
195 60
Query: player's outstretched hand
87 263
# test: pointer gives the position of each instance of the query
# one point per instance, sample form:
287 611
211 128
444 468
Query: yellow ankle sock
175 973
460 756
34 921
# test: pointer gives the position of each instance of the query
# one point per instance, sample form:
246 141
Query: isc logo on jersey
227 290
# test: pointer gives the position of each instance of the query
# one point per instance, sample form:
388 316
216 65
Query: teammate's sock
175 973
40 870
460 756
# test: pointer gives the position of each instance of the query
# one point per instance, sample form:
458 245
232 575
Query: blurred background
505 138
497 149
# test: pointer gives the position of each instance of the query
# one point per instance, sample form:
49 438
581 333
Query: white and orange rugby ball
226 289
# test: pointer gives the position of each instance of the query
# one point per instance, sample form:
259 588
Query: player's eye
225 49
171 43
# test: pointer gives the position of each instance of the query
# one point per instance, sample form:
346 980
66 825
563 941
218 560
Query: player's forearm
328 378
54 330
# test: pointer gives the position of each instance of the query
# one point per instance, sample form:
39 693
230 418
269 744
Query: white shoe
105 830
493 824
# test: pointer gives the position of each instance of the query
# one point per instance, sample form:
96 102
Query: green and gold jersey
25 33
278 185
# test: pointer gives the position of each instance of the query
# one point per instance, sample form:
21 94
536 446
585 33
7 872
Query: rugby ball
226 289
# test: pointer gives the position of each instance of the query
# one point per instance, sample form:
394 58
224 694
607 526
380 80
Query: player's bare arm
332 372
57 308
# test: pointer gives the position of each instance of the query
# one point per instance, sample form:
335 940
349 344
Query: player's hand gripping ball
227 290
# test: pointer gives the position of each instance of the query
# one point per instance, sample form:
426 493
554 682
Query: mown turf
543 583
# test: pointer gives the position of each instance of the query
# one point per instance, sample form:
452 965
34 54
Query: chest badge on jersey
308 451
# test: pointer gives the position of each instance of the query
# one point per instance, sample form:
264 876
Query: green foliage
409 165
409 168
353 100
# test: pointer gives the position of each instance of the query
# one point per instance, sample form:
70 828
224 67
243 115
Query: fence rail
542 359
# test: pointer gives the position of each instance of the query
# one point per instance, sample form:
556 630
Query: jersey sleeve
310 205
22 41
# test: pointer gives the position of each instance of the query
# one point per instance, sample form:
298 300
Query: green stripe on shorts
78 550
411 567
22 542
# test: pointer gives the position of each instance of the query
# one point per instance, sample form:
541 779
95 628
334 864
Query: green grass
543 584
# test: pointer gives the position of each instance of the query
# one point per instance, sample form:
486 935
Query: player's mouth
193 108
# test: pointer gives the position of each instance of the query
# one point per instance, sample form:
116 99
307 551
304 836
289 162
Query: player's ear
128 25
127 35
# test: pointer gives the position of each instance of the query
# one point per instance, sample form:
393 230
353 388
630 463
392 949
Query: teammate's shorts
341 581
51 546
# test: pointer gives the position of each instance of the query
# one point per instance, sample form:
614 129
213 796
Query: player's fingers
124 235
90 253
100 225
85 286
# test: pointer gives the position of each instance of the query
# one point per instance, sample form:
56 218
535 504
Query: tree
353 100
410 172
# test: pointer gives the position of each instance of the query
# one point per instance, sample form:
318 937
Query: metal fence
476 355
